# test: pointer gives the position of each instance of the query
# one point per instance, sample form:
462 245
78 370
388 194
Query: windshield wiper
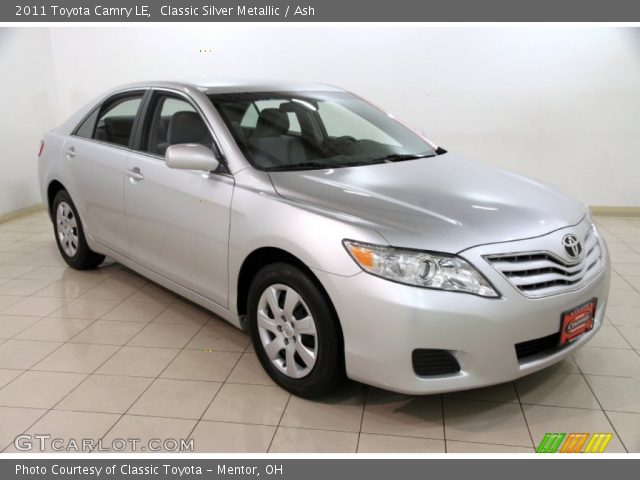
399 157
300 166
394 157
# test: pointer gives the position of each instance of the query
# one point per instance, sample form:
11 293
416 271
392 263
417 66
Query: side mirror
191 156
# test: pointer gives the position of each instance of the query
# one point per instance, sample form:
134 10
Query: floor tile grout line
44 412
155 379
292 427
49 317
316 429
67 394
546 405
435 438
146 376
605 348
599 347
524 415
125 345
602 409
364 409
444 425
222 384
98 283
25 294
286 405
30 368
623 336
66 299
18 340
27 328
68 342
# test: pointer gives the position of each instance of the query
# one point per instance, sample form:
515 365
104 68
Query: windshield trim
311 165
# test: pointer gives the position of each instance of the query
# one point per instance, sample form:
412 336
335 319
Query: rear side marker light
41 148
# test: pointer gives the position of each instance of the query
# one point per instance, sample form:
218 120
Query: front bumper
383 322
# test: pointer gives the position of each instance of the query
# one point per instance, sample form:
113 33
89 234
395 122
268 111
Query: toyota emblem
572 245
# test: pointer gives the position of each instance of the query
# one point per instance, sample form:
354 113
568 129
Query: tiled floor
107 354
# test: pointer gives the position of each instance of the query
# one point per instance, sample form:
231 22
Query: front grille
537 274
538 346
428 362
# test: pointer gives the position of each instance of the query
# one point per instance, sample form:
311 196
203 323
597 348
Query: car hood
443 203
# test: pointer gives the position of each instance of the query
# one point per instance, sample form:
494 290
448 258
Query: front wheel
295 331
70 234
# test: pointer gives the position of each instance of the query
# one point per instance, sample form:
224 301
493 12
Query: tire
280 336
69 234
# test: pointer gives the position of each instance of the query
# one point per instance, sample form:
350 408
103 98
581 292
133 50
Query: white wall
26 89
560 104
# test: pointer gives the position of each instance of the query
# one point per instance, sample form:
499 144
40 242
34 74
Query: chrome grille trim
542 273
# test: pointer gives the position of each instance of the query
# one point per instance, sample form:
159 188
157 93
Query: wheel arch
263 256
259 258
52 190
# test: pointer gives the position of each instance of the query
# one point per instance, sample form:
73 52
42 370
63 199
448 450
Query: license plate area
577 321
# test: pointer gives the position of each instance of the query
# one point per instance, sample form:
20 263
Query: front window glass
312 130
174 121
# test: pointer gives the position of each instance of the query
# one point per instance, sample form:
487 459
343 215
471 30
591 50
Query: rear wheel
70 234
294 331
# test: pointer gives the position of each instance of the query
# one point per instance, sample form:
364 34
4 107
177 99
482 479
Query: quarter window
116 120
86 128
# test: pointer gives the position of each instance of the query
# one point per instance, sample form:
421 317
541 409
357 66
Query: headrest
271 122
119 126
186 127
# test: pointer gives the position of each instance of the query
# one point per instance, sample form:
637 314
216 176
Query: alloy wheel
67 229
287 331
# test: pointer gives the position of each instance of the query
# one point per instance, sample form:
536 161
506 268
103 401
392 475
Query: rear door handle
135 174
71 152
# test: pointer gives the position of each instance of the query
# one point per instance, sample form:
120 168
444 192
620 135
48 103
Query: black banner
316 469
318 11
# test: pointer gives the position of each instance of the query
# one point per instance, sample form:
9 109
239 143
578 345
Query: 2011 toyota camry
343 241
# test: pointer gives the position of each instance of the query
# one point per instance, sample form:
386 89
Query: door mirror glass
191 156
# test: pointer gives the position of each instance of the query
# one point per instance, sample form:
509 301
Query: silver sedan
345 243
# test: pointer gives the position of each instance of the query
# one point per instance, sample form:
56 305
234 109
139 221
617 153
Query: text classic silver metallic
345 243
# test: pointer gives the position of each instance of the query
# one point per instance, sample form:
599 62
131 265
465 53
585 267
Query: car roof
236 86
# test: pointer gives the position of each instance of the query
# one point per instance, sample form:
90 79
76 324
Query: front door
178 220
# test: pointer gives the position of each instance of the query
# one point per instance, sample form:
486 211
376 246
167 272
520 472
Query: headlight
421 269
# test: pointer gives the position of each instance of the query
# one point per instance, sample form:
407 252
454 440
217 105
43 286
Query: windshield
313 130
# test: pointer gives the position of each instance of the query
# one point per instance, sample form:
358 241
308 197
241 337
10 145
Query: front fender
261 218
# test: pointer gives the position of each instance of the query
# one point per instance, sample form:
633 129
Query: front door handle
71 152
135 174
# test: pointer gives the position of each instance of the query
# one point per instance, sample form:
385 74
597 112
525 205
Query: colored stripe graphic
574 442
598 442
550 442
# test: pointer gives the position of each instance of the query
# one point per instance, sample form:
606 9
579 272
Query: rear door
94 164
178 220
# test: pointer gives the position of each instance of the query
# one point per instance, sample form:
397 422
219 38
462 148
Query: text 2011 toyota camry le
344 242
